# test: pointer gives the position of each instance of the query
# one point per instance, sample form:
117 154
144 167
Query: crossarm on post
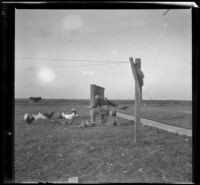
135 74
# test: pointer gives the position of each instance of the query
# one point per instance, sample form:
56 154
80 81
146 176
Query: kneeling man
102 107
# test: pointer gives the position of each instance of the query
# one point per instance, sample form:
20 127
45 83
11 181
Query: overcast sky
49 43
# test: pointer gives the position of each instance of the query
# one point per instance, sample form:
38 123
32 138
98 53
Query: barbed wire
62 66
66 60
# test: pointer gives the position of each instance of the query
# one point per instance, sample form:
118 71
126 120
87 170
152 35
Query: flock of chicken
29 118
65 118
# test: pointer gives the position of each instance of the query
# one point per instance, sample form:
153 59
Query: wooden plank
162 126
94 89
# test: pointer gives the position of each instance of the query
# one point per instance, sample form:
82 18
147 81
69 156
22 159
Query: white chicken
38 116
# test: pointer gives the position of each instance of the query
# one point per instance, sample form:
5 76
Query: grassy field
51 152
177 115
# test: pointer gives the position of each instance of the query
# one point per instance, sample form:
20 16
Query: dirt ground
52 152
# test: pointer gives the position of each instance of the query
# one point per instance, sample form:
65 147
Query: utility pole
137 95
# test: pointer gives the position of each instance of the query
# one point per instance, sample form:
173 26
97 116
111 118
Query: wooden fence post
137 97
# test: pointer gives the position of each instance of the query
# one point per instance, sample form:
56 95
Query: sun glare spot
46 75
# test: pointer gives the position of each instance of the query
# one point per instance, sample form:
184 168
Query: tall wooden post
137 95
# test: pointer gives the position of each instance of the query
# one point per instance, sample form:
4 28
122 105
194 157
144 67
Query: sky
60 53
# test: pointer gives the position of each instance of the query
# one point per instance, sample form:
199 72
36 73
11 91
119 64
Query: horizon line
110 98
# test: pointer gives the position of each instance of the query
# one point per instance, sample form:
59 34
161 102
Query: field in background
52 152
177 113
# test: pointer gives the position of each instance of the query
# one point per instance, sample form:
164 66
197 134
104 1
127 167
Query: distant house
35 99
